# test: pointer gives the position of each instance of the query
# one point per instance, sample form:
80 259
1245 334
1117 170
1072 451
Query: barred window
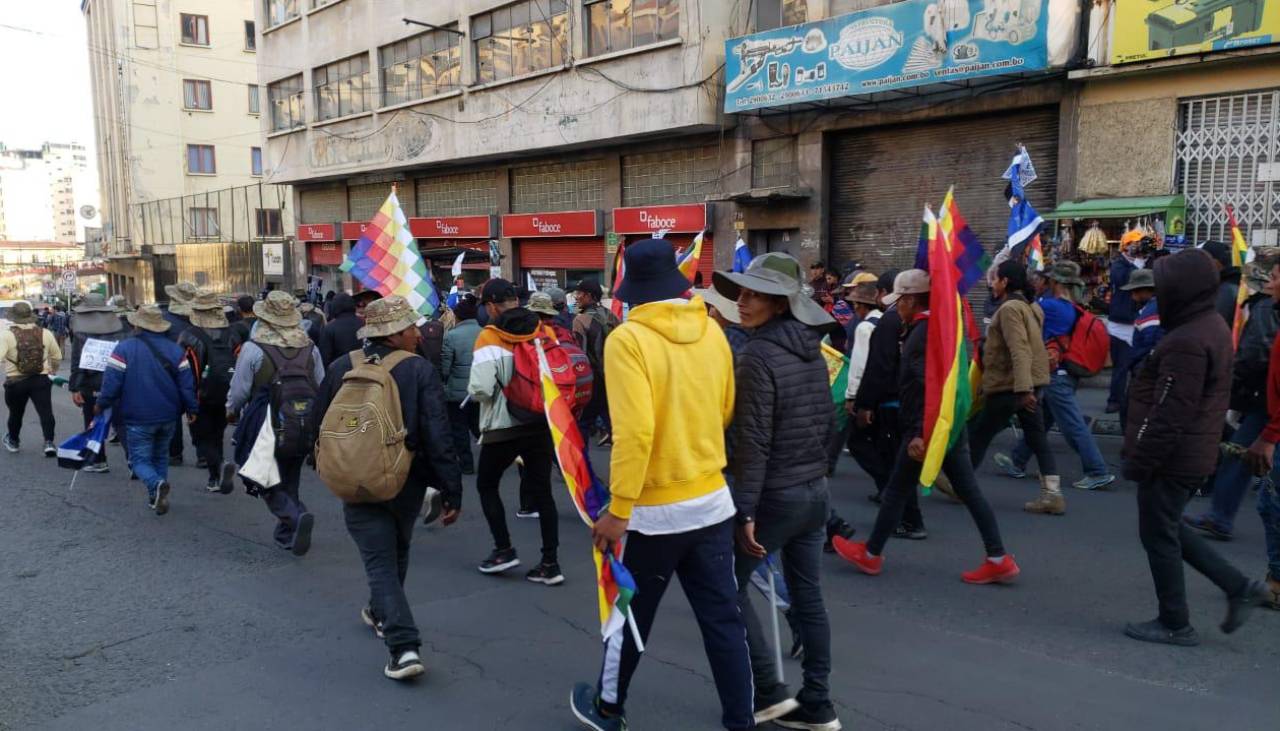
673 176
342 87
421 66
616 25
520 39
557 187
285 99
773 162
460 194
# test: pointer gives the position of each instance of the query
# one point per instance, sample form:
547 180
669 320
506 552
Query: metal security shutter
686 175
881 179
562 254
1225 145
323 205
570 186
461 194
363 201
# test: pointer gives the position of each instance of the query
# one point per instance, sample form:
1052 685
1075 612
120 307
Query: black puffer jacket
911 380
783 412
1178 396
339 335
879 383
1249 375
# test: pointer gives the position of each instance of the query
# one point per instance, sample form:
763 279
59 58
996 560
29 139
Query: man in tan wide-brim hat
277 344
180 296
382 531
208 339
94 319
27 371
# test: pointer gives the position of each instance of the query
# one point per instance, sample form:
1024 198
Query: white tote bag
261 466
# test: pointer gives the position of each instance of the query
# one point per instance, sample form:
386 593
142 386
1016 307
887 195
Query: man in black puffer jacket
1177 403
339 335
782 422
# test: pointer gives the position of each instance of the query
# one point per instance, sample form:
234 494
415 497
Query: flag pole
635 631
773 612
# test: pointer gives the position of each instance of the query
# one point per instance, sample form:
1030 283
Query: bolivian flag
1239 257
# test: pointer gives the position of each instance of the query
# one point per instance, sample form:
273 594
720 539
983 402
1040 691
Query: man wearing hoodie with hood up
1177 403
668 492
503 438
339 334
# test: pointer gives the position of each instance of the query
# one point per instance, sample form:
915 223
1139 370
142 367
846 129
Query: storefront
561 247
324 253
442 238
682 224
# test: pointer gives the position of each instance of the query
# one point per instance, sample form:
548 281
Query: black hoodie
782 414
339 335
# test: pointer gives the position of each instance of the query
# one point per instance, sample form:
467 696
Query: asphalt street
119 619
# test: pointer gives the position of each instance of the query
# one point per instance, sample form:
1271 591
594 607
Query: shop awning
1119 207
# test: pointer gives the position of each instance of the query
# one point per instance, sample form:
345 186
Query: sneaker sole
1090 487
1177 641
829 726
162 499
302 536
583 719
528 516
553 581
11 450
1002 579
405 673
856 565
499 568
777 710
227 478
368 622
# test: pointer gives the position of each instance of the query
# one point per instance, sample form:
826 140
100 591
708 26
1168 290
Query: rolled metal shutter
881 179
562 254
323 205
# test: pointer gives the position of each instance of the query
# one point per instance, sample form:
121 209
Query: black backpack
215 371
293 401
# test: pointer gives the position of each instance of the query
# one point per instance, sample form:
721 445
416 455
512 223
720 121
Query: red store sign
317 232
325 254
452 227
551 225
652 219
353 230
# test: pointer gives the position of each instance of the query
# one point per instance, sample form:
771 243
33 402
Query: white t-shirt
682 517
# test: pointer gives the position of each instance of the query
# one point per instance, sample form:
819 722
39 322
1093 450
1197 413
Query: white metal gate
1228 153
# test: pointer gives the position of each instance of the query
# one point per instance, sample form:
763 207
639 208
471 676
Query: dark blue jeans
1233 477
149 452
703 559
793 522
1061 406
1269 511
382 532
1119 373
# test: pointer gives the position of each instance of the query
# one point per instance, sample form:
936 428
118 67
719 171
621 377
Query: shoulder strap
169 367
395 358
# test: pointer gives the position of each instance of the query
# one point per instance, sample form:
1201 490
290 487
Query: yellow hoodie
670 375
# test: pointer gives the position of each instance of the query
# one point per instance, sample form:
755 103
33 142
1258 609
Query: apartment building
46 194
176 104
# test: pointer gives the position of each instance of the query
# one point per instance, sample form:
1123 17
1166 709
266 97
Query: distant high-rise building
44 193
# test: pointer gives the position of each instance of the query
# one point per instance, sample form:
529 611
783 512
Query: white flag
456 269
529 278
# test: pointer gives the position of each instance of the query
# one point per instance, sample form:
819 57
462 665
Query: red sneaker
856 554
993 573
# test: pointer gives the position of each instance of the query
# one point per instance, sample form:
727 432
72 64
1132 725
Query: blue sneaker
1011 468
586 707
1093 483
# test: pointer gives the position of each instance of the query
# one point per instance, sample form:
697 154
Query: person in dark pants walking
455 356
178 313
93 320
503 439
207 342
669 497
591 326
31 356
781 427
1120 315
383 530
1177 403
911 293
278 342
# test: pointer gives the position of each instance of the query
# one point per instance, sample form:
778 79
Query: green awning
1118 207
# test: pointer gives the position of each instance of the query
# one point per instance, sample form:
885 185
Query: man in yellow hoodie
670 399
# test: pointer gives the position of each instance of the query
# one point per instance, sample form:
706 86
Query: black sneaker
586 708
546 573
1155 631
1239 606
302 534
773 703
837 526
910 532
811 718
10 443
50 450
434 506
96 468
201 464
211 485
161 504
227 478
366 616
499 560
528 514
404 665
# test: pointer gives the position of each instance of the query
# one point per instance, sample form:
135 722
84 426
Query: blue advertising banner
905 44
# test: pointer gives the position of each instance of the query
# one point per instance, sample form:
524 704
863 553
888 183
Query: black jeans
37 389
1169 542
208 433
175 444
284 503
597 409
464 423
792 521
957 467
994 418
495 458
382 532
703 559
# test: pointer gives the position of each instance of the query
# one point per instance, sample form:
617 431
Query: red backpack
1084 352
570 370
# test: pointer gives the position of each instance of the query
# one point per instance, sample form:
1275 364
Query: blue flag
1024 222
78 451
741 256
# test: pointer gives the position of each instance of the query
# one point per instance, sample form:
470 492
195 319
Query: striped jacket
139 385
492 366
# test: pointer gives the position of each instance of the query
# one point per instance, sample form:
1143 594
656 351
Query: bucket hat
863 293
1066 272
180 296
1140 279
206 310
652 275
541 303
94 302
279 309
1257 273
776 274
149 318
388 316
727 308
911 281
22 314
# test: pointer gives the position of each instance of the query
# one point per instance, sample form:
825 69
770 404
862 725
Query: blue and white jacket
140 387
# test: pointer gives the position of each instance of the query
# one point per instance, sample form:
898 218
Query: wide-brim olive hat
776 274
150 318
180 296
727 308
1065 272
22 314
279 309
388 316
1140 279
94 302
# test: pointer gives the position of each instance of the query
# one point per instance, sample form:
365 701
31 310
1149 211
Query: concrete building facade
45 194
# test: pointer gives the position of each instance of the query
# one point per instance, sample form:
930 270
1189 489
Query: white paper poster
93 357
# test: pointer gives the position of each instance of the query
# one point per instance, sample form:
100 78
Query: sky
44 75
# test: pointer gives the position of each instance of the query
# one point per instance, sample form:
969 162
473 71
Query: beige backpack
360 453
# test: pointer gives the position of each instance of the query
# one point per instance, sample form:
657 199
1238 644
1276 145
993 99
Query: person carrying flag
911 294
669 497
781 427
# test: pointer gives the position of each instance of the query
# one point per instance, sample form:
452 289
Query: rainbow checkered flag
386 259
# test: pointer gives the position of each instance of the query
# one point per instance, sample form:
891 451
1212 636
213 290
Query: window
424 65
196 94
615 25
255 160
195 29
773 162
254 104
520 39
200 160
202 222
250 36
342 87
278 11
269 222
772 14
285 99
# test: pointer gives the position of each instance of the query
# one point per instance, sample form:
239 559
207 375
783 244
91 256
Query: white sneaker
404 666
